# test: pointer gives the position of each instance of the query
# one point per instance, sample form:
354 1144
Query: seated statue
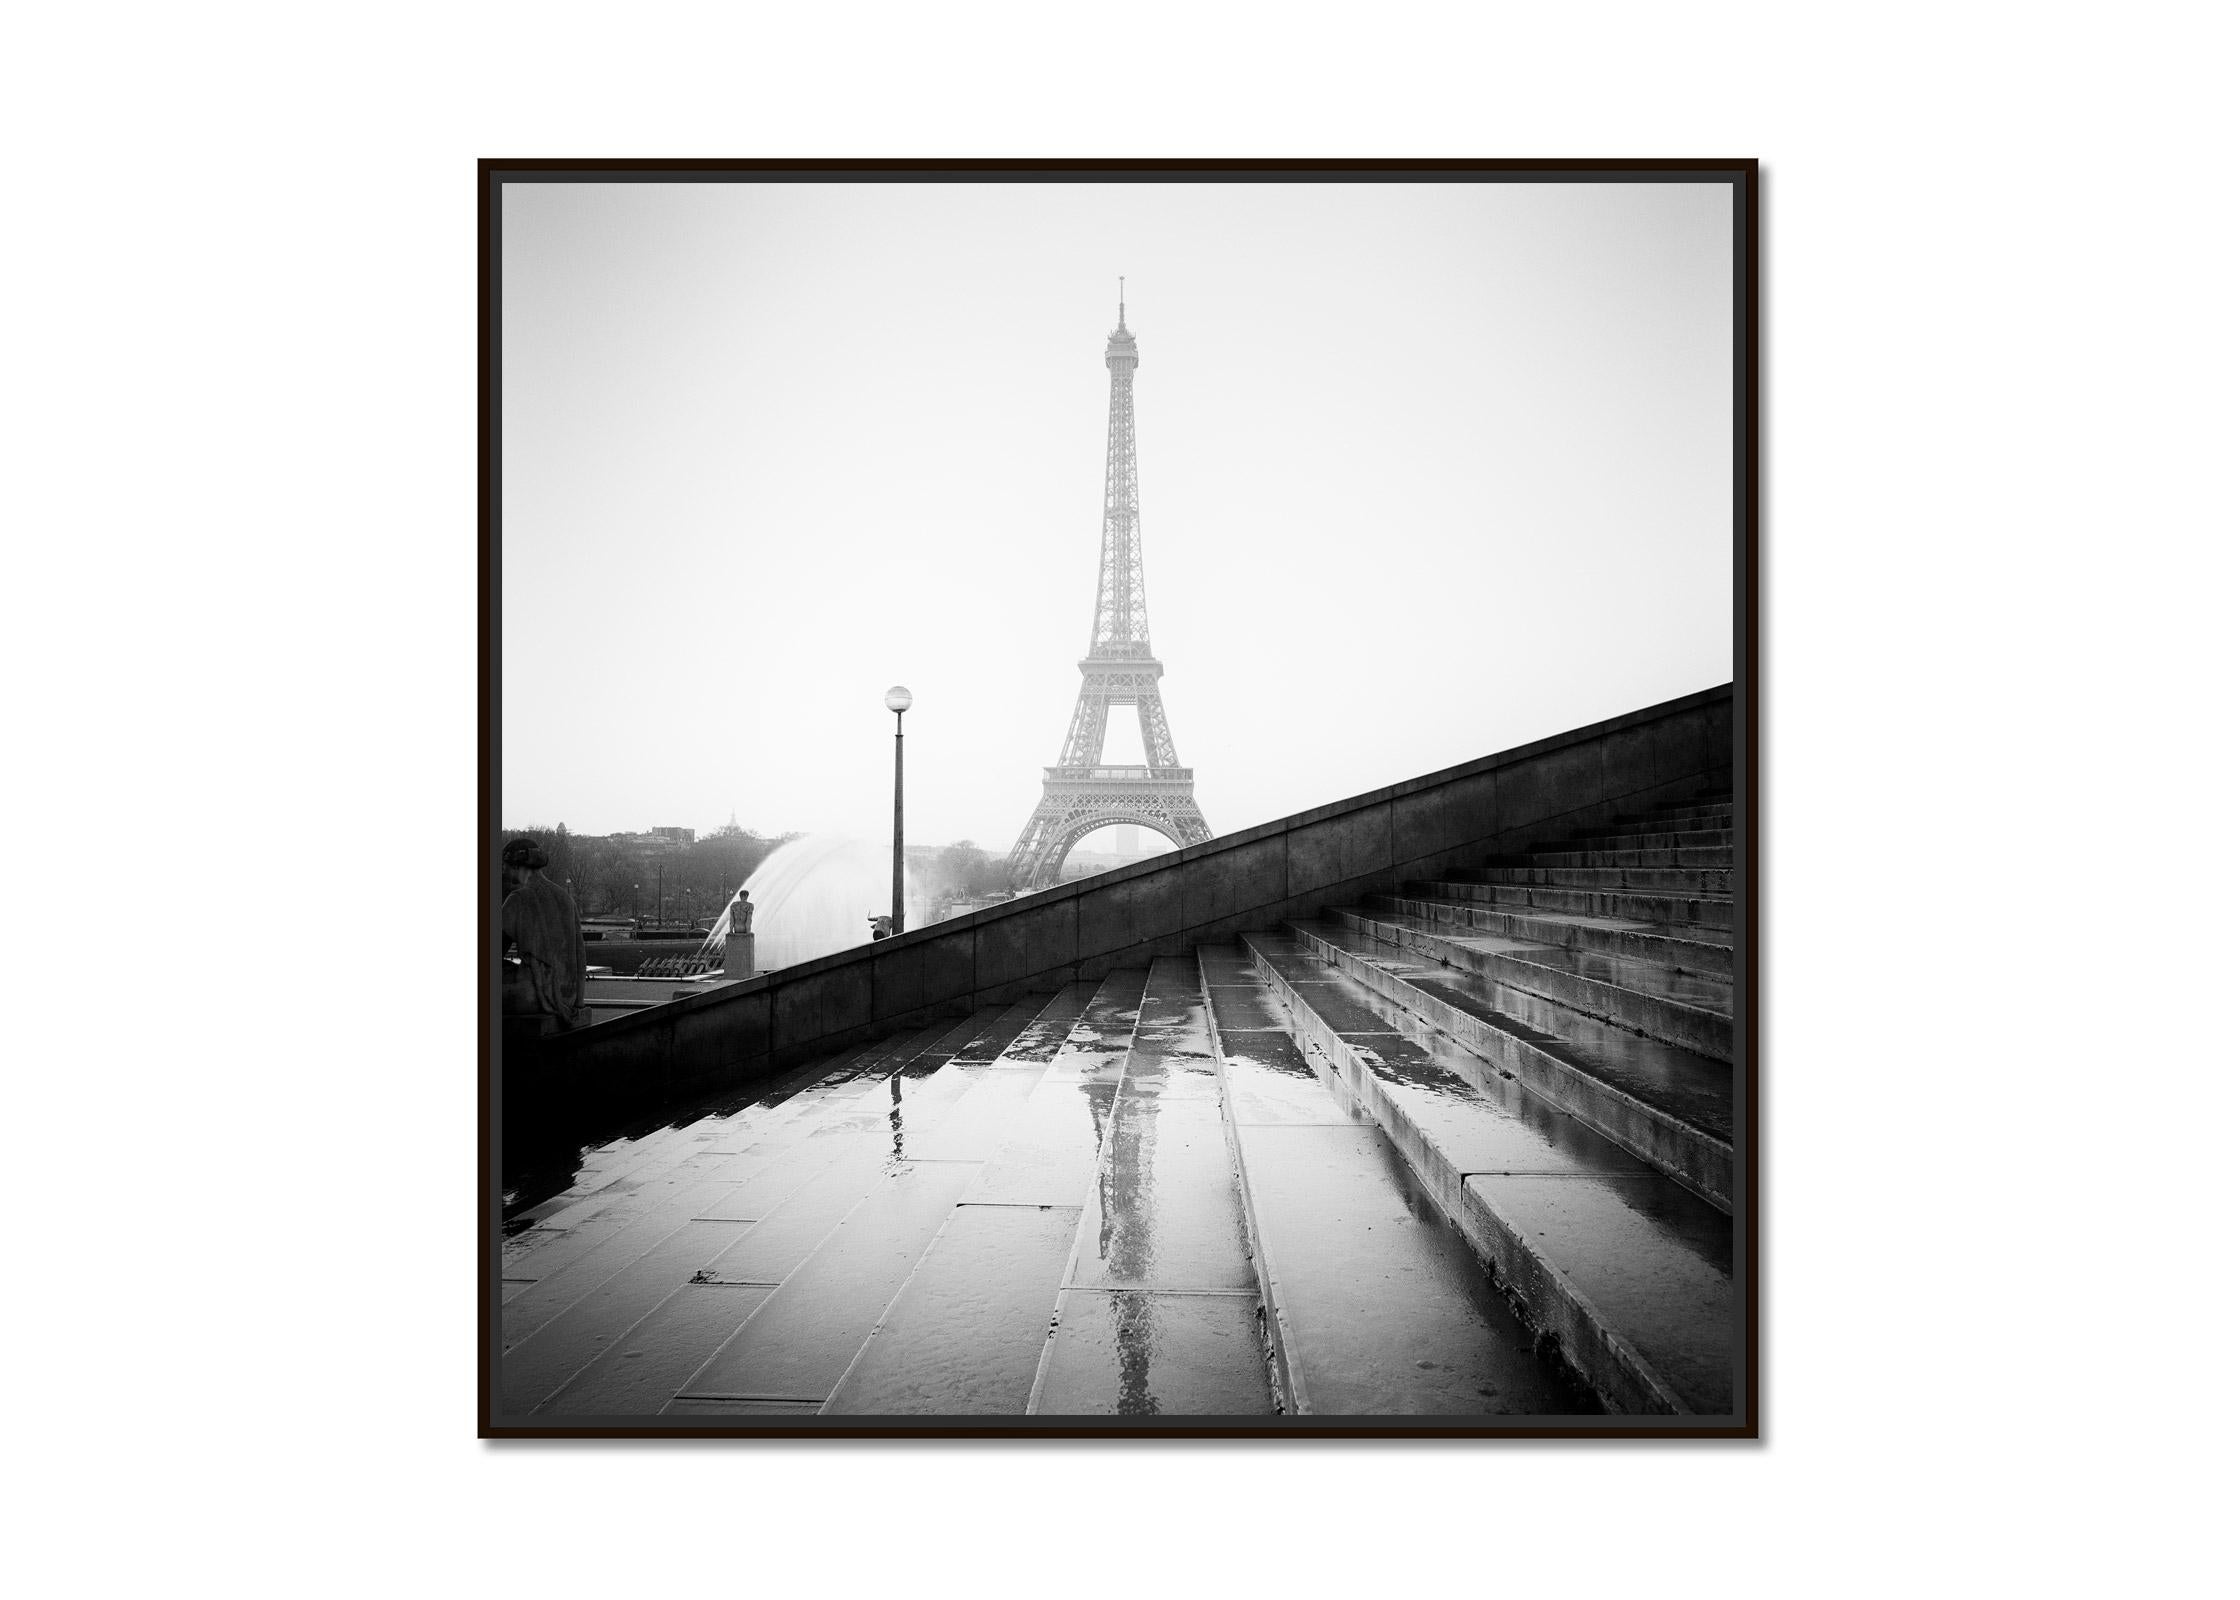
544 940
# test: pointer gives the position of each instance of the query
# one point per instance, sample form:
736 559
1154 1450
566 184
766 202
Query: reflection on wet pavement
1268 1176
1160 1312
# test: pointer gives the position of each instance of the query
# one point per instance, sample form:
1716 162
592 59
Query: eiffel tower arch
1081 793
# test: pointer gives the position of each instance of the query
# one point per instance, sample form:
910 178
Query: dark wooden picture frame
1657 756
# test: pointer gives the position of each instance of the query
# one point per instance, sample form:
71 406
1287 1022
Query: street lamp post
898 701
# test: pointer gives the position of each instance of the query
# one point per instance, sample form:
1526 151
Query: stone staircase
1465 1148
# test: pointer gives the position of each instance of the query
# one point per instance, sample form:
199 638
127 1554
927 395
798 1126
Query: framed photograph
1119 797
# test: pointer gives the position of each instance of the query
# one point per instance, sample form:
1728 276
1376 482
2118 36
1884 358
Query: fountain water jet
815 895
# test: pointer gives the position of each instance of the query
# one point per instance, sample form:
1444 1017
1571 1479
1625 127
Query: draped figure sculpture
543 940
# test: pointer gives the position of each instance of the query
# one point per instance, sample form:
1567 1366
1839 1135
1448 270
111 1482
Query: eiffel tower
1081 794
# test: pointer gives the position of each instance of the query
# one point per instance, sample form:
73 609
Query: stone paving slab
797 1344
1042 1038
1270 1081
1472 1131
978 1122
1176 1064
1705 952
1688 1012
1381 1308
598 1190
1621 1265
1706 880
1637 854
1652 837
1226 966
965 1334
539 1364
1138 1353
764 1185
1649 1266
1684 1084
1705 911
1244 1006
778 1196
993 1035
605 1253
641 1370
793 1228
595 1192
1164 1211
1047 1152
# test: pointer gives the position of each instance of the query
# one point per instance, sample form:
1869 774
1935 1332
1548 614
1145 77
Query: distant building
659 840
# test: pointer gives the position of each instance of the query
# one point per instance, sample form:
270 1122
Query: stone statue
544 936
738 945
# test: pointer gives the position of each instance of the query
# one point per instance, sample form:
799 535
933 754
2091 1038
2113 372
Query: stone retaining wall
672 1055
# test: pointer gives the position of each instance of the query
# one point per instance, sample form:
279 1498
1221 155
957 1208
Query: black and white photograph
1221 797
1118 798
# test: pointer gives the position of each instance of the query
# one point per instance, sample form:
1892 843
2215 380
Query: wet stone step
1042 1038
1676 946
1639 1265
534 1367
964 1334
1671 1107
644 1367
1376 1305
824 1119
1680 856
1625 834
1691 1012
1160 1313
621 1158
573 1265
1694 880
981 1118
1162 1211
1687 1084
799 1340
841 1249
1648 980
745 1218
1150 1353
761 1211
1707 911
800 1200
1716 815
1048 1152
602 1190
1642 1309
993 1034
1647 838
614 1171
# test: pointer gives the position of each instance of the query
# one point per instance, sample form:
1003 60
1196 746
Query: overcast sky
1427 471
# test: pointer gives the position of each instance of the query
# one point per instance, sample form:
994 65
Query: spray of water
815 895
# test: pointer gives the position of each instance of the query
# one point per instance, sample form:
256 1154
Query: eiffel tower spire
1081 794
